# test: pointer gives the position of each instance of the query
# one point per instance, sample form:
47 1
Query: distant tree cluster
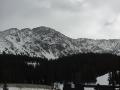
85 67
16 68
78 68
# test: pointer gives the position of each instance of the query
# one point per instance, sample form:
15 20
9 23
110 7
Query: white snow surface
26 87
16 88
89 89
103 80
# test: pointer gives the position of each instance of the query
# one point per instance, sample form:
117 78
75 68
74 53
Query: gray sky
74 18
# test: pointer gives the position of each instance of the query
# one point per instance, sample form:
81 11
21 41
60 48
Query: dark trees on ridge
78 68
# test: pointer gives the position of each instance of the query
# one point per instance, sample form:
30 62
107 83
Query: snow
49 55
18 88
103 80
26 87
9 38
15 88
89 89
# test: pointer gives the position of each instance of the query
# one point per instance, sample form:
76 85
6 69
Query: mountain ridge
48 43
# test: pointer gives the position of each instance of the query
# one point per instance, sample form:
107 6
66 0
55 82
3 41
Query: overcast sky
74 18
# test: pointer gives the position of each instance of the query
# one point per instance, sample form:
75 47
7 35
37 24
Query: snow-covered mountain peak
48 43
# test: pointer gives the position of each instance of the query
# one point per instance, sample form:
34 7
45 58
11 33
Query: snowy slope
47 43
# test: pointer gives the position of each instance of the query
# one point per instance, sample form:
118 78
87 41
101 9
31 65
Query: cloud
74 18
112 27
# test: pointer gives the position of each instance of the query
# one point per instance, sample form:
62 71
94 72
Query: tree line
79 68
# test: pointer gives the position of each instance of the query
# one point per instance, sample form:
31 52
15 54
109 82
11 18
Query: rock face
47 43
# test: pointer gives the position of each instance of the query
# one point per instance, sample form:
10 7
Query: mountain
48 43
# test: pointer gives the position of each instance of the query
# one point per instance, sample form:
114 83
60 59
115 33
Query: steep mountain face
47 43
100 46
